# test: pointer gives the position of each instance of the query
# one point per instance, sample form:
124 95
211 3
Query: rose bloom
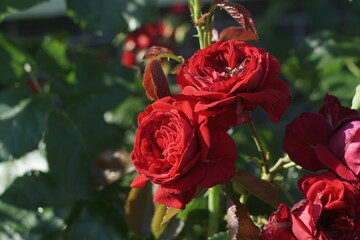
155 33
180 151
231 79
152 34
330 211
279 225
327 139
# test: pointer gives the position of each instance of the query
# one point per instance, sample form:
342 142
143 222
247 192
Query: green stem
260 148
197 5
214 202
353 68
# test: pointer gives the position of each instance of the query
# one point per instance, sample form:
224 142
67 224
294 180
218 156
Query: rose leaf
237 33
239 13
140 209
155 82
162 221
258 187
155 51
239 223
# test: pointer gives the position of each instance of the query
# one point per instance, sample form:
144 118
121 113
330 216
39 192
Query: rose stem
260 148
196 6
213 205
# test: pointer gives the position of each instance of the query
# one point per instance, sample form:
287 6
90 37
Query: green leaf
97 223
99 87
52 58
10 170
34 190
356 99
258 187
17 223
162 220
68 159
22 122
12 61
140 209
111 17
12 6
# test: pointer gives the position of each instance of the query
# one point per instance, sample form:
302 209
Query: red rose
330 211
180 151
342 153
279 225
154 33
307 135
232 78
128 59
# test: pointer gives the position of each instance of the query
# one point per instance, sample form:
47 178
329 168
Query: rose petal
301 137
139 182
333 163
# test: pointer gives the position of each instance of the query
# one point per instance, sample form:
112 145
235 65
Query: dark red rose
330 211
301 137
327 139
342 153
232 78
279 225
180 151
179 9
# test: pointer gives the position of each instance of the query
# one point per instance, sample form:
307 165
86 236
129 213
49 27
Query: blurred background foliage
70 91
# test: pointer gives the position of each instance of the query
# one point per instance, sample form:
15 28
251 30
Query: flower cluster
329 140
181 143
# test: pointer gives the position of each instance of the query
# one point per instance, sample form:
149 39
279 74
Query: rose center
164 147
336 225
231 72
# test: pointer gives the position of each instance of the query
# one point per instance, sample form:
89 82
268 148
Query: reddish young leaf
155 51
239 223
237 33
239 13
258 187
155 82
